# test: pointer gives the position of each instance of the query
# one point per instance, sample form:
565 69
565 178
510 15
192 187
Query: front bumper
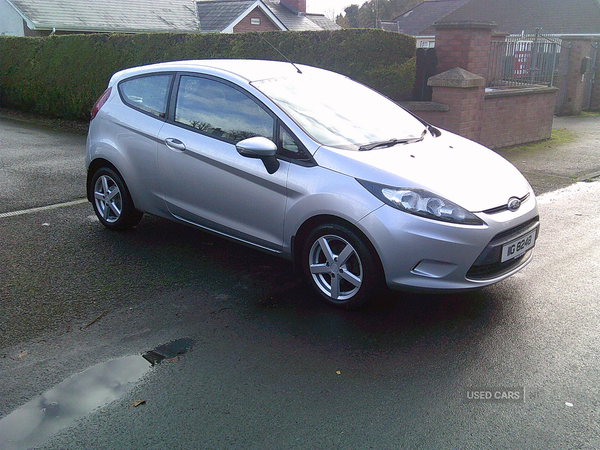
428 255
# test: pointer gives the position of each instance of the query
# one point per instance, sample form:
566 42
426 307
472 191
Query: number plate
519 246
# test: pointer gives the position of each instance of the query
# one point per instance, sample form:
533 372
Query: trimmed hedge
62 76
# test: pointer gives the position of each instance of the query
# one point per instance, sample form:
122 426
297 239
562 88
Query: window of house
220 110
255 21
147 93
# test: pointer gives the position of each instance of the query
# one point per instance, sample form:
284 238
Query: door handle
175 144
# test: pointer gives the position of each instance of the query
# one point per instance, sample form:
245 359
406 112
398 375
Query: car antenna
277 50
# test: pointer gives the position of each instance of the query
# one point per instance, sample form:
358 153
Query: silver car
312 166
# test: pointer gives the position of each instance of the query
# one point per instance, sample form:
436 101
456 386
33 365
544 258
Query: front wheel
340 267
112 202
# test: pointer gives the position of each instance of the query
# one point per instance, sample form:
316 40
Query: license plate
519 246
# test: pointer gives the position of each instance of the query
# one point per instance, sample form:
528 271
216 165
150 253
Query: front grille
505 207
488 264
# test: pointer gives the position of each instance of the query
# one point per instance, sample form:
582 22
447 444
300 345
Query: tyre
112 202
340 266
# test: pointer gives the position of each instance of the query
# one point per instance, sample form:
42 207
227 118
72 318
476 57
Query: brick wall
574 84
497 118
246 25
517 116
576 87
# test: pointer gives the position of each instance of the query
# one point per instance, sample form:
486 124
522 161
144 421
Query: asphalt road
271 366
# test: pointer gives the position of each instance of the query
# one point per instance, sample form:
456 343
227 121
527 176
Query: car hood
453 167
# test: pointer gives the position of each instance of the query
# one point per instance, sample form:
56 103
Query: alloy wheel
335 267
108 198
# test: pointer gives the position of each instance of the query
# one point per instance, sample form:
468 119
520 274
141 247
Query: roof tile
552 16
109 15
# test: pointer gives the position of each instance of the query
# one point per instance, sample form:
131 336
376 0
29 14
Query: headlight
422 203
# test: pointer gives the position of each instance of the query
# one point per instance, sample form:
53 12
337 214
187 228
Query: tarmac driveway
271 367
39 166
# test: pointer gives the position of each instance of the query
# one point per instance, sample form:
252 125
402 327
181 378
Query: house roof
292 20
552 16
107 15
416 20
323 22
133 16
511 16
216 16
220 15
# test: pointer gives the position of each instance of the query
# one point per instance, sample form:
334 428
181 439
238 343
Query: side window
288 143
147 93
220 110
289 146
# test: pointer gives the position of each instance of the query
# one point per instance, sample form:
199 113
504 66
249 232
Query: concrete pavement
556 164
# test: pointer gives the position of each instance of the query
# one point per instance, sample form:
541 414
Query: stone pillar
573 86
464 44
595 97
464 93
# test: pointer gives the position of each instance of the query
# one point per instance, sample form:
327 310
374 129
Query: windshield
338 112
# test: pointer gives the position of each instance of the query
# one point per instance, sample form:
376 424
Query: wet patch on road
81 394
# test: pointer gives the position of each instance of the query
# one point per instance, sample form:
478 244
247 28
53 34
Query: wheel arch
125 215
94 166
310 224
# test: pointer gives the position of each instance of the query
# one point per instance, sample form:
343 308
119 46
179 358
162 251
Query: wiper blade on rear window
391 142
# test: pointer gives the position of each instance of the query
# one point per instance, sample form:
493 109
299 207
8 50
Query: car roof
250 70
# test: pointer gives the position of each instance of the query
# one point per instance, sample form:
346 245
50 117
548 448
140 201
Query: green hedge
62 76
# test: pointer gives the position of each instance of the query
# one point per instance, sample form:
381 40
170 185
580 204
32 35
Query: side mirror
256 147
260 147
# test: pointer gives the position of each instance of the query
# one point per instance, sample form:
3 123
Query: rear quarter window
147 93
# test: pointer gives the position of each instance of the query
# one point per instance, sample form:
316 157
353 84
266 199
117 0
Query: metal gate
525 59
426 67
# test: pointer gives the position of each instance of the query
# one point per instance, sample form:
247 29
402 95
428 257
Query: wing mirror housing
262 148
256 147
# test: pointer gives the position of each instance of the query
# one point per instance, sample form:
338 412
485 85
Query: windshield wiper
391 142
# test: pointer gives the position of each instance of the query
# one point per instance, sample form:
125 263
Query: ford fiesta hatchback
312 166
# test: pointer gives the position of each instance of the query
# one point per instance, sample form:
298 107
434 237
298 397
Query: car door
204 179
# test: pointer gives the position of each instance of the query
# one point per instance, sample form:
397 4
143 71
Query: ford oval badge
513 204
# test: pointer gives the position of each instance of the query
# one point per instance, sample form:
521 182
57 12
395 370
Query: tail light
100 102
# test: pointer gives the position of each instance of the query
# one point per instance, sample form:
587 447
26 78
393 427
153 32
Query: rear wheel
340 267
112 202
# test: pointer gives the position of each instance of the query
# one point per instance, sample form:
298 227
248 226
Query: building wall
11 23
246 25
